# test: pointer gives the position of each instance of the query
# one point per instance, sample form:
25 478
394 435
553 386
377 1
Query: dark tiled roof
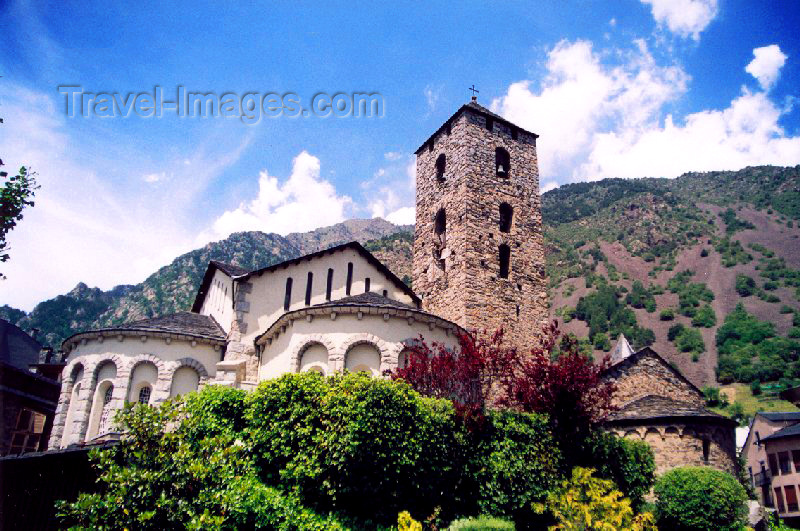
790 431
183 323
653 407
17 348
480 109
636 356
230 269
785 416
369 299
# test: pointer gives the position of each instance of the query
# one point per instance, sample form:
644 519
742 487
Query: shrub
690 340
794 332
480 523
786 309
704 253
691 498
745 286
667 314
705 317
516 462
674 331
755 387
586 502
714 398
406 523
384 441
630 464
601 342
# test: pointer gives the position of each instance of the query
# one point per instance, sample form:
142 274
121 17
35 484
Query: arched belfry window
440 226
502 162
441 164
506 217
505 259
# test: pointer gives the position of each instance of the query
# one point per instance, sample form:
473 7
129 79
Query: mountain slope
618 252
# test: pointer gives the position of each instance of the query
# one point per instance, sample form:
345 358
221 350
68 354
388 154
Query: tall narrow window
287 299
706 449
506 216
349 278
502 162
441 164
366 285
329 285
309 284
489 124
505 258
144 394
440 226
513 133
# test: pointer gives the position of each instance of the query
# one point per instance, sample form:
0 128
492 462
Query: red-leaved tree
482 373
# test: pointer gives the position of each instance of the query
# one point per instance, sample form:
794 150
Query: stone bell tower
478 251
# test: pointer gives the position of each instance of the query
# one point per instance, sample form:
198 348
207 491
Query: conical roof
622 350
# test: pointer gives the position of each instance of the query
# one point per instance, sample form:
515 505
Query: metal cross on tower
474 91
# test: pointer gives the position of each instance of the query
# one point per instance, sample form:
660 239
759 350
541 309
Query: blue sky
626 88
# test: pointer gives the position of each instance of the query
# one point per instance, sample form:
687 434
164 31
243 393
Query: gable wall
650 376
266 296
218 302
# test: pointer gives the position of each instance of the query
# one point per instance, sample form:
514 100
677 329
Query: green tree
16 194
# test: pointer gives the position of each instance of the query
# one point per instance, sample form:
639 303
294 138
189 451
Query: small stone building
657 404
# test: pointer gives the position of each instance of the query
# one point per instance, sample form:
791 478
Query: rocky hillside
666 262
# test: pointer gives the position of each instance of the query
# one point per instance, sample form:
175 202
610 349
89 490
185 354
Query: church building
478 265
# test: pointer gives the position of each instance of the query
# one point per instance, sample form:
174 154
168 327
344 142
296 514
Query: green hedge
699 498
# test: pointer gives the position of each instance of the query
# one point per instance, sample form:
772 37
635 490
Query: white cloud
432 96
546 187
154 177
746 133
766 65
579 97
598 120
95 220
303 202
403 216
393 155
684 17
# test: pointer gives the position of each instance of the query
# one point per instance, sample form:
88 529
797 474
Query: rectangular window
28 432
287 299
796 459
779 500
349 278
773 464
366 285
791 498
783 462
309 283
706 449
329 285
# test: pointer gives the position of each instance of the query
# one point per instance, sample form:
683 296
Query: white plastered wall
74 411
338 336
218 302
266 300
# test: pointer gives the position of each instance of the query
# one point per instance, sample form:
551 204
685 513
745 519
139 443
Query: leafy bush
745 286
639 297
516 462
603 311
630 464
674 331
714 398
690 340
755 387
734 224
480 523
406 523
786 309
704 252
705 317
693 498
586 502
667 314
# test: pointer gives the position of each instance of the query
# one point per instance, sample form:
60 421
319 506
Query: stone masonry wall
465 286
677 445
649 376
